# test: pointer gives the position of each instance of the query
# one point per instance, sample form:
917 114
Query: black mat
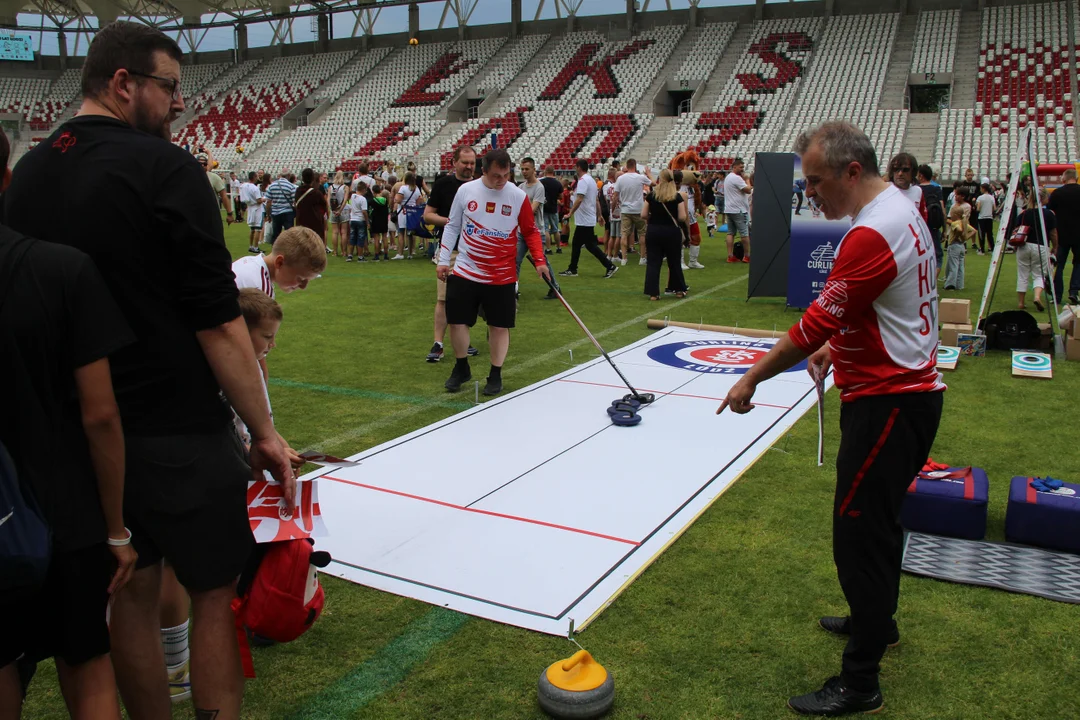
1016 568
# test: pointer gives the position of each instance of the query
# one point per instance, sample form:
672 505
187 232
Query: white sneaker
622 261
684 266
180 683
399 256
642 262
696 265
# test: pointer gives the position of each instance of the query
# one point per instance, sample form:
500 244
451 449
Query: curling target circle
715 357
948 354
1031 362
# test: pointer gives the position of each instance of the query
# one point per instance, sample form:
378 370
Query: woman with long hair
408 194
338 198
664 213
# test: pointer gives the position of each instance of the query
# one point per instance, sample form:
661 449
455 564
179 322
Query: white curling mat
533 509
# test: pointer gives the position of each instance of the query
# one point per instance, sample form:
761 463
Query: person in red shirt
875 324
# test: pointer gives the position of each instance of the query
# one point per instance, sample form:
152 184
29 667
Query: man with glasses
902 170
186 476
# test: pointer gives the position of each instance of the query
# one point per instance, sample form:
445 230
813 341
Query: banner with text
813 245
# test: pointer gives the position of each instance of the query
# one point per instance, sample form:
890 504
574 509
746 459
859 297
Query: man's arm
105 438
578 197
449 238
227 202
431 214
529 231
228 350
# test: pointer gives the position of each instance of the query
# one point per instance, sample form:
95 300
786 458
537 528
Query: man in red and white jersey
902 169
875 323
483 224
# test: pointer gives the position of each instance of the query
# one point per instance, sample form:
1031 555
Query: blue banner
16 46
813 245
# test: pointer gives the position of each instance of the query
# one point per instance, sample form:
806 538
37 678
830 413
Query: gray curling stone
594 693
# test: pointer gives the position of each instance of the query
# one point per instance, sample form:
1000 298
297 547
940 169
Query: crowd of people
150 372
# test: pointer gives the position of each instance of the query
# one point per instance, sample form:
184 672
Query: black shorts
65 618
464 298
185 500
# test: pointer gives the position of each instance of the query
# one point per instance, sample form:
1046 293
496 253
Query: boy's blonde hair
302 248
256 306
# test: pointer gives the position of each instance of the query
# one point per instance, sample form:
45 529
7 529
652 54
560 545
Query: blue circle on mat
714 357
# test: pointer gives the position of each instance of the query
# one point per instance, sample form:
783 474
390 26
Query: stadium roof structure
75 15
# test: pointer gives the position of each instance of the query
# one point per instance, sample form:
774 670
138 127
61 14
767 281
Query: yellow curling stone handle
578 673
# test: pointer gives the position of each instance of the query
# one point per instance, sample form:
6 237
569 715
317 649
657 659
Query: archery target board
1031 365
533 509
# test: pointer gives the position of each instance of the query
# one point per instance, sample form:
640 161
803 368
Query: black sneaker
551 295
1073 300
494 386
455 381
472 352
548 251
842 626
611 271
834 700
436 353
558 251
569 273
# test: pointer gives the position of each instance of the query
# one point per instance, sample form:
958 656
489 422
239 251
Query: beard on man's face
145 119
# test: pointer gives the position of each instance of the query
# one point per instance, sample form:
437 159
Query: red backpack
279 595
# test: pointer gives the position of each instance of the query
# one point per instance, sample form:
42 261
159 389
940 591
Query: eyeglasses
172 84
902 169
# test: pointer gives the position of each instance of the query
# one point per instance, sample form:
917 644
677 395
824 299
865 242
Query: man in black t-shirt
437 213
935 209
61 426
186 475
1065 202
553 190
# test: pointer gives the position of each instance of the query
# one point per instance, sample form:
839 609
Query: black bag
738 251
935 217
25 540
1011 330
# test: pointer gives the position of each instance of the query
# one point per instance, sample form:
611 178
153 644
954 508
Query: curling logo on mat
715 357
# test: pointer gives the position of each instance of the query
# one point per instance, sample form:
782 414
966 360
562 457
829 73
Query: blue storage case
949 502
1047 519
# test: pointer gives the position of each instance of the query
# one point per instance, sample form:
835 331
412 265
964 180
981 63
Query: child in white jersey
710 220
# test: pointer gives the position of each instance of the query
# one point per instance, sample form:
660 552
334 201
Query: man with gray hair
875 324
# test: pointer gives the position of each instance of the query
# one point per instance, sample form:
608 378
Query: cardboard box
950 333
1072 348
1046 335
971 344
954 311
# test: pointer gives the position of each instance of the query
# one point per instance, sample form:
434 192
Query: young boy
251 196
297 257
710 220
358 222
263 316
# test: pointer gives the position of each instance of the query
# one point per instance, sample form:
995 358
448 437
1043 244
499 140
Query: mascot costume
688 163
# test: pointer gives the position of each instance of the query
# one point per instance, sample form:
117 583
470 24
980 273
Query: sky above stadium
390 20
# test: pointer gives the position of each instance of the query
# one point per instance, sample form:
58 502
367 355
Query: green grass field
722 625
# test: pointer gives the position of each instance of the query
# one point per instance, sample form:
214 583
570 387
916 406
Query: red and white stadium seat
1023 80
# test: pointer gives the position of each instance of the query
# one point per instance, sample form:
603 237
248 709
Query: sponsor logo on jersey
475 230
472 206
832 298
490 208
506 210
715 357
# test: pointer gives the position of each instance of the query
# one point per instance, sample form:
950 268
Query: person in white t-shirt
253 199
614 219
986 205
584 212
737 206
358 223
630 190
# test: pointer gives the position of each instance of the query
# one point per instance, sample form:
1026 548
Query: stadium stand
396 108
511 61
712 40
935 41
246 115
846 80
1023 79
751 109
63 91
202 98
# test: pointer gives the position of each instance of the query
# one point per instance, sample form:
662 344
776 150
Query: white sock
438 343
175 642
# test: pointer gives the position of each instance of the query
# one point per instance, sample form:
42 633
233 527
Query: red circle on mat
729 356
